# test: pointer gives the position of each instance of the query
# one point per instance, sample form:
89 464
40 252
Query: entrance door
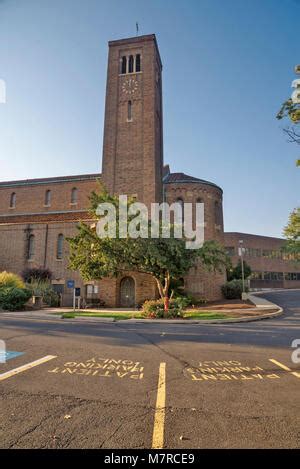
127 292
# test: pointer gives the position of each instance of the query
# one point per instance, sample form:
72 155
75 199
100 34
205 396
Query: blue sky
228 65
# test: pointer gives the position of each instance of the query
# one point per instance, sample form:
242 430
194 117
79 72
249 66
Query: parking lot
97 385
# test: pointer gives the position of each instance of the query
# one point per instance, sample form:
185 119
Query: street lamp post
242 264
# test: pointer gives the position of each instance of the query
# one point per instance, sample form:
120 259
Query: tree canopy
291 111
163 258
235 273
292 234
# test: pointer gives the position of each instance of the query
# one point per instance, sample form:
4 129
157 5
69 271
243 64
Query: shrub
13 298
233 290
189 300
154 309
36 273
51 298
10 280
44 289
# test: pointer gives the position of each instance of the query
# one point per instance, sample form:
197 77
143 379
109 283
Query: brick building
37 215
271 268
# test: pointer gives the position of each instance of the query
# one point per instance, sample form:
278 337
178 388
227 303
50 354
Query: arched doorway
127 292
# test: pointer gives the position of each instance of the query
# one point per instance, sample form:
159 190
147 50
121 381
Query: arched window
31 247
60 246
48 198
138 63
74 196
13 199
198 211
129 111
181 203
123 64
218 213
130 65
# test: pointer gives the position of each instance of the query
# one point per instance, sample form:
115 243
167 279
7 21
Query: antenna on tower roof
137 28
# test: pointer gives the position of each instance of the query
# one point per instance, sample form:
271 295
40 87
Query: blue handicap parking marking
11 354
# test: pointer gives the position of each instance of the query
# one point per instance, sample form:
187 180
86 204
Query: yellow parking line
284 367
159 417
22 368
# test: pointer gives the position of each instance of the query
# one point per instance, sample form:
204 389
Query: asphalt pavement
124 385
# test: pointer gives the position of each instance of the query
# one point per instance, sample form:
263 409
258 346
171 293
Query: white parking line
26 367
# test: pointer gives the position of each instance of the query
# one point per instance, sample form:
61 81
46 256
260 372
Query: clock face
130 86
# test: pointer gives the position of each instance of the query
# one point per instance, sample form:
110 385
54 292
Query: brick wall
199 282
30 195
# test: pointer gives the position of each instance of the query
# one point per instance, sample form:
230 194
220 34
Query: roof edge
50 180
252 234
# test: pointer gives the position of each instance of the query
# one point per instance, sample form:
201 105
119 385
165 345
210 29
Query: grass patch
68 315
94 314
205 315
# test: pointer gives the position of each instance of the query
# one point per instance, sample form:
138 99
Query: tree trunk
164 291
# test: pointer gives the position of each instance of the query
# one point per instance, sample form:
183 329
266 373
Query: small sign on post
71 284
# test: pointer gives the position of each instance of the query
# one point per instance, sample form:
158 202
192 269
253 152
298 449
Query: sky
227 67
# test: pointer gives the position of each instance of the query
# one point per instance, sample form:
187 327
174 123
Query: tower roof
175 178
136 40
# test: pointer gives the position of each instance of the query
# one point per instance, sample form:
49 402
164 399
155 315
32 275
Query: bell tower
132 160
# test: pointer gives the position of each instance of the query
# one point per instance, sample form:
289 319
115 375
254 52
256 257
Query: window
273 276
230 250
48 198
256 275
292 276
60 245
58 288
181 212
130 64
13 199
129 111
74 195
138 63
218 214
123 64
31 247
91 290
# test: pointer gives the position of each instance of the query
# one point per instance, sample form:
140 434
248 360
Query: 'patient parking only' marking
102 368
228 371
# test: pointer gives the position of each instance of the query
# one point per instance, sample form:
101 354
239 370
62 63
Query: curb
81 319
205 321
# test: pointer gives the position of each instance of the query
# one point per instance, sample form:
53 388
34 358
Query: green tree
292 234
165 259
235 273
291 111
